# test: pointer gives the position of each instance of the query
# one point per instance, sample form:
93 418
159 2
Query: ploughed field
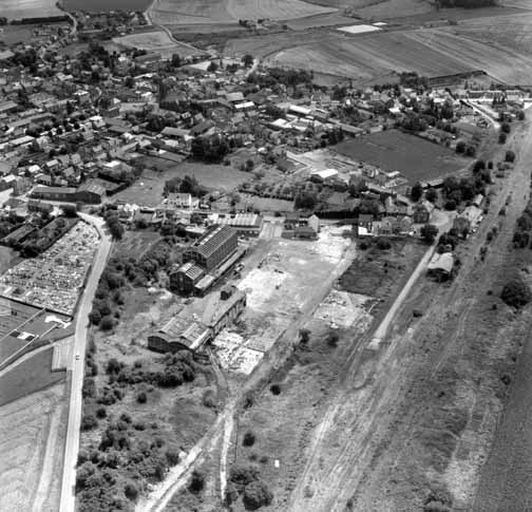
184 12
430 52
18 9
106 5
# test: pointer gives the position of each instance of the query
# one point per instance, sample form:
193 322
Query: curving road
68 483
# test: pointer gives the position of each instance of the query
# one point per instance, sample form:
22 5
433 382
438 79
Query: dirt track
420 413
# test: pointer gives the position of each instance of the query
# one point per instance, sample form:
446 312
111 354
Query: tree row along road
68 483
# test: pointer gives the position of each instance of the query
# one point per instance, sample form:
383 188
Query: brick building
214 247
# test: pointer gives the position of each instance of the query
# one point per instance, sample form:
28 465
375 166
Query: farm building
441 266
91 193
215 246
199 323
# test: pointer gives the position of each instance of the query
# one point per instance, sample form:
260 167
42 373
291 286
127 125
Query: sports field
417 159
183 12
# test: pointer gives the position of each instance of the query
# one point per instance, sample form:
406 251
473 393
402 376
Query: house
54 193
365 224
246 224
301 227
91 193
423 212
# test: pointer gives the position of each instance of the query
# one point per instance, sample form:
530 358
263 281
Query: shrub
131 491
332 339
383 244
172 455
107 323
304 335
516 293
249 439
509 156
256 495
101 413
88 422
275 389
209 399
95 317
197 482
142 397
502 138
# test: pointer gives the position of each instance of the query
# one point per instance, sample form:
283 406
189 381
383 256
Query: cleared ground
18 9
170 12
32 433
416 158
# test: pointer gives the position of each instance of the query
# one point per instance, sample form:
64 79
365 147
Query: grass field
156 41
32 434
17 9
148 190
416 158
171 12
32 375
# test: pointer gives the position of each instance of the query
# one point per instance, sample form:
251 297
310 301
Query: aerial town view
265 255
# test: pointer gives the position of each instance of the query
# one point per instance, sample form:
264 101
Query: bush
107 323
95 317
209 399
249 439
88 422
516 293
275 389
142 397
131 491
172 455
383 244
502 138
332 339
429 233
256 495
509 156
197 482
101 413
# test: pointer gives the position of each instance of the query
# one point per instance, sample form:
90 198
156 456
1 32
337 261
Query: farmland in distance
416 158
106 5
170 12
18 9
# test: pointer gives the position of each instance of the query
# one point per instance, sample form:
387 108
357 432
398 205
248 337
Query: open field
28 377
430 52
136 243
157 41
170 12
106 5
32 433
416 158
18 9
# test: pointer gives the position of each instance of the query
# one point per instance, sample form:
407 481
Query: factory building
214 247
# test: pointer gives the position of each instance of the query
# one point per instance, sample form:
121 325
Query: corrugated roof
214 238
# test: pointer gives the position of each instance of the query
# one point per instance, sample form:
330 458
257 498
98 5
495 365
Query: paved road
80 341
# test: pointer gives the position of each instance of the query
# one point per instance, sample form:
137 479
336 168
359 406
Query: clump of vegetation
245 480
197 482
249 439
516 293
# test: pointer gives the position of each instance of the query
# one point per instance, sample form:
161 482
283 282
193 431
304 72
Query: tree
249 439
88 422
416 192
197 482
107 323
306 200
431 195
516 293
256 495
142 397
460 147
212 67
304 335
506 128
502 138
429 233
176 61
247 60
131 491
509 156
